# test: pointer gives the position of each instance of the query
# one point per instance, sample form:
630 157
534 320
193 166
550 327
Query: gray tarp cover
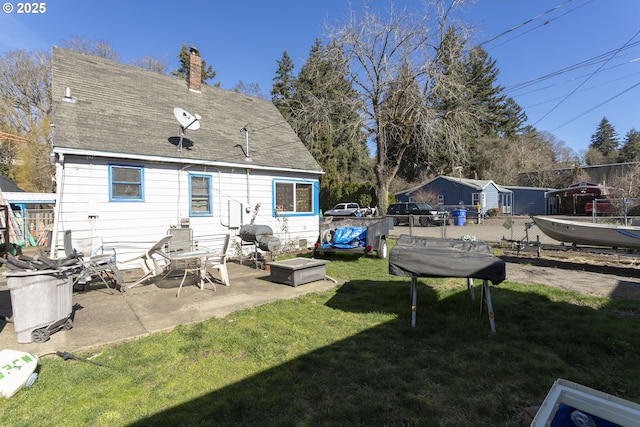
429 257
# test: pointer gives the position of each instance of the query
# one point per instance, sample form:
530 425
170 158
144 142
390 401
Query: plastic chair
219 262
97 261
153 261
181 242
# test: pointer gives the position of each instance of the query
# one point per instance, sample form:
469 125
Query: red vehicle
603 206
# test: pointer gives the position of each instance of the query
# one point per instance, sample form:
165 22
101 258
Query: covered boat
588 233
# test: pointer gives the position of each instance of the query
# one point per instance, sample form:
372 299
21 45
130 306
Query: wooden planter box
297 271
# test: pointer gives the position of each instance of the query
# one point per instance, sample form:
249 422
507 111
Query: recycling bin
459 216
41 303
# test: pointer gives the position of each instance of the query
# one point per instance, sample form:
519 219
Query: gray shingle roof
126 110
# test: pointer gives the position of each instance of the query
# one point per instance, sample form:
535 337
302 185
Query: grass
350 357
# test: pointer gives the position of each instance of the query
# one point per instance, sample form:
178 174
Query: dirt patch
589 272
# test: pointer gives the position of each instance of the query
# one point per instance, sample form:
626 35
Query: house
529 200
138 153
451 193
604 174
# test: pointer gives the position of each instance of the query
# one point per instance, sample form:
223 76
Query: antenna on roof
187 121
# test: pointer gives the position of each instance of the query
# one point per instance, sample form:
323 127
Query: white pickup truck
348 209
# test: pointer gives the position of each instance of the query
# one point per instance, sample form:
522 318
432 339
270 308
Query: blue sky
242 39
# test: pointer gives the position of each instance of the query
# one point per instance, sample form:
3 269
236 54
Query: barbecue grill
261 236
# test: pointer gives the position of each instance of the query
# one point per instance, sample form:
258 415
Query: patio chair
97 261
153 261
219 262
181 242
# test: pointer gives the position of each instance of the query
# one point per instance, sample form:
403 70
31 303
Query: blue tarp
348 237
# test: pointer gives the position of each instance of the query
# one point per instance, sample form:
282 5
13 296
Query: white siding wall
133 226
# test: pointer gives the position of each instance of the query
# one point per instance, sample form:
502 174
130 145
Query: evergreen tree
282 90
207 73
605 140
500 120
513 119
324 115
448 98
482 91
630 151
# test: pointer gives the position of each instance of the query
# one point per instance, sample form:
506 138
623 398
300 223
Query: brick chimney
194 77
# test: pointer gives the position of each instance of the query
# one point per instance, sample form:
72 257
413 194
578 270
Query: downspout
56 217
248 189
220 195
247 158
178 207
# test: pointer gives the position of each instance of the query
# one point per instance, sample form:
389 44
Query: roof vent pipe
246 130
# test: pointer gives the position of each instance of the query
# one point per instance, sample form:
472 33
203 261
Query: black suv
400 212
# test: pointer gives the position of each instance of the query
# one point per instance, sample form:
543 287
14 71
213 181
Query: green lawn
349 357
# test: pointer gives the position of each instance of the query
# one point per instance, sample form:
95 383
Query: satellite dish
187 121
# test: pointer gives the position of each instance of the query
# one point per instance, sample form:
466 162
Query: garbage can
459 216
41 303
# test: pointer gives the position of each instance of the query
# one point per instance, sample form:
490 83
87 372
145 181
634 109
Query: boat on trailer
588 233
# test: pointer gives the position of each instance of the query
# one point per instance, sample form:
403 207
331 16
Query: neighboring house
573 199
451 192
529 200
124 172
605 174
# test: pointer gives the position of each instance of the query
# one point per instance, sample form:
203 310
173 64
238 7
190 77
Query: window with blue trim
200 195
294 197
126 183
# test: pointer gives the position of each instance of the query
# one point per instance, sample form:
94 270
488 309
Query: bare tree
25 109
624 189
91 47
152 64
251 89
426 196
389 57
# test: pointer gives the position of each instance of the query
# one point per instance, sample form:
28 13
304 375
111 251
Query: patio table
193 262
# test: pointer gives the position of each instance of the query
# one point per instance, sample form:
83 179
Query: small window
294 197
200 195
125 183
475 199
441 199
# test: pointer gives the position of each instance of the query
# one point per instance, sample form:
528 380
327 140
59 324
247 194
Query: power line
584 90
586 63
596 107
525 23
587 79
